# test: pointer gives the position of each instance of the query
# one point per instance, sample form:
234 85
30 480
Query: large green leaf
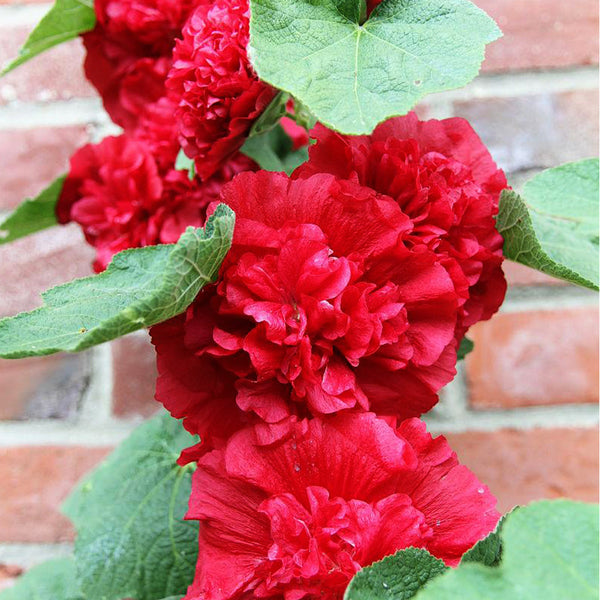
353 75
132 541
65 21
140 287
52 580
549 551
552 225
396 577
32 215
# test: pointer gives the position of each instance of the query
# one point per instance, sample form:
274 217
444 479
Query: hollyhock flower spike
220 95
320 307
443 177
299 517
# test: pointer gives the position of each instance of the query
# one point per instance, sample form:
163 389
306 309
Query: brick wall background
522 412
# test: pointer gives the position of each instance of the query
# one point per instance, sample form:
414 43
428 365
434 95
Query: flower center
322 545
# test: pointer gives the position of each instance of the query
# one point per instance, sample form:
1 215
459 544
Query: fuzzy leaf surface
488 551
396 577
140 287
132 541
552 225
352 74
549 551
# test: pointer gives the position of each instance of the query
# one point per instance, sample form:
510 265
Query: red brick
522 466
134 376
35 481
18 379
519 276
542 34
33 264
8 575
54 75
536 131
32 159
48 387
534 358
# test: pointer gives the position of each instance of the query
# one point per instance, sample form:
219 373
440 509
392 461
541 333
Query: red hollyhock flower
320 307
296 133
129 52
299 517
158 131
220 94
444 179
372 5
123 198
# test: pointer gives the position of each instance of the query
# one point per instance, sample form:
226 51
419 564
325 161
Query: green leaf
184 163
489 550
273 151
552 225
32 215
353 76
52 580
549 551
397 577
65 21
132 541
271 115
466 346
140 287
303 116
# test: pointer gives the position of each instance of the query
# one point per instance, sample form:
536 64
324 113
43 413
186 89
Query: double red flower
348 290
445 180
321 306
125 193
299 517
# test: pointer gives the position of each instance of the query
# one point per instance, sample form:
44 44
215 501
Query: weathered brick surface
55 75
35 481
45 387
134 373
522 466
538 131
32 159
534 358
48 387
542 34
33 264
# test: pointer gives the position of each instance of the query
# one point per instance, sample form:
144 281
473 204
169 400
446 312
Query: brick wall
522 412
